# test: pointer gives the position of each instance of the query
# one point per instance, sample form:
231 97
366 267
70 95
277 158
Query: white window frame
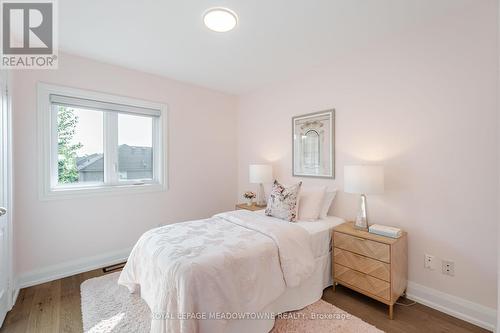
48 146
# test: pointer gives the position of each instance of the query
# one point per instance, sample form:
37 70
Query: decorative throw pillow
327 203
311 202
282 202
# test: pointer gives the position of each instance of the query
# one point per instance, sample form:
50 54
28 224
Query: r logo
27 28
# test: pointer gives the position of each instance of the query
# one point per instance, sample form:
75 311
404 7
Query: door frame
6 132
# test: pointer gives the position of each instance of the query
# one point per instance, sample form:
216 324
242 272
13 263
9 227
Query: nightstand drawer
363 281
363 264
362 246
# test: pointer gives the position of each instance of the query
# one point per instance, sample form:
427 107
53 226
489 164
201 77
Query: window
93 142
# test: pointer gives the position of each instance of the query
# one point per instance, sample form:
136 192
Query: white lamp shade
260 173
364 179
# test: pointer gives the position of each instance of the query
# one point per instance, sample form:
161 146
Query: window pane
80 145
135 147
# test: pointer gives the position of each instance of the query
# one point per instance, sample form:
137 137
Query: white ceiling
275 39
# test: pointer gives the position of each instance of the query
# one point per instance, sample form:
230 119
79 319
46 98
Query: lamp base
261 198
361 219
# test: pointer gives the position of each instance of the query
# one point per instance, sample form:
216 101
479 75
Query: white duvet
194 275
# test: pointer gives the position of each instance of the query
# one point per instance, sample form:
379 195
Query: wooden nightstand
373 265
253 207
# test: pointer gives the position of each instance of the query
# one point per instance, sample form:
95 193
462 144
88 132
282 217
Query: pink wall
422 103
202 167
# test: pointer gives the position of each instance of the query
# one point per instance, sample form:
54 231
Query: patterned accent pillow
282 202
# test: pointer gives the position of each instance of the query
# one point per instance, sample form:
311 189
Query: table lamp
260 174
363 179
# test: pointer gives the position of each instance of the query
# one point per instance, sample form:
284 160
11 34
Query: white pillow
327 202
310 202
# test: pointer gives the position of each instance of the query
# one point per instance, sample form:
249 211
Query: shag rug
109 308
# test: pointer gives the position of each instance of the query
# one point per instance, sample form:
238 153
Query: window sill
100 190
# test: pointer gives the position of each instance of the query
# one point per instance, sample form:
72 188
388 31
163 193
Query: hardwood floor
49 308
417 318
55 307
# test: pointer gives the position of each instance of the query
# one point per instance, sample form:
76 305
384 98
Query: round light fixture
220 19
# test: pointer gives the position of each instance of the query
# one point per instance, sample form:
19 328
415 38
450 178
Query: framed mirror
313 144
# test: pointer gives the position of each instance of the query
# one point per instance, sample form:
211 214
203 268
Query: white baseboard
474 313
69 268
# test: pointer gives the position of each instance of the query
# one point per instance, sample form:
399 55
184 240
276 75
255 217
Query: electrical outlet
448 267
429 262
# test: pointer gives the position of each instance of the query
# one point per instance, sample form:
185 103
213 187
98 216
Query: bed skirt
292 299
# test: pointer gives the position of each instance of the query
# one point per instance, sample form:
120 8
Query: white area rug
110 308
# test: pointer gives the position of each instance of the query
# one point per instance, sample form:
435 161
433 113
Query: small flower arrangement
249 195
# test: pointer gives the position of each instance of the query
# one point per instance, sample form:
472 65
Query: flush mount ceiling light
220 19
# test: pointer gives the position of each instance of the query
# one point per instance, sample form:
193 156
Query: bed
230 273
